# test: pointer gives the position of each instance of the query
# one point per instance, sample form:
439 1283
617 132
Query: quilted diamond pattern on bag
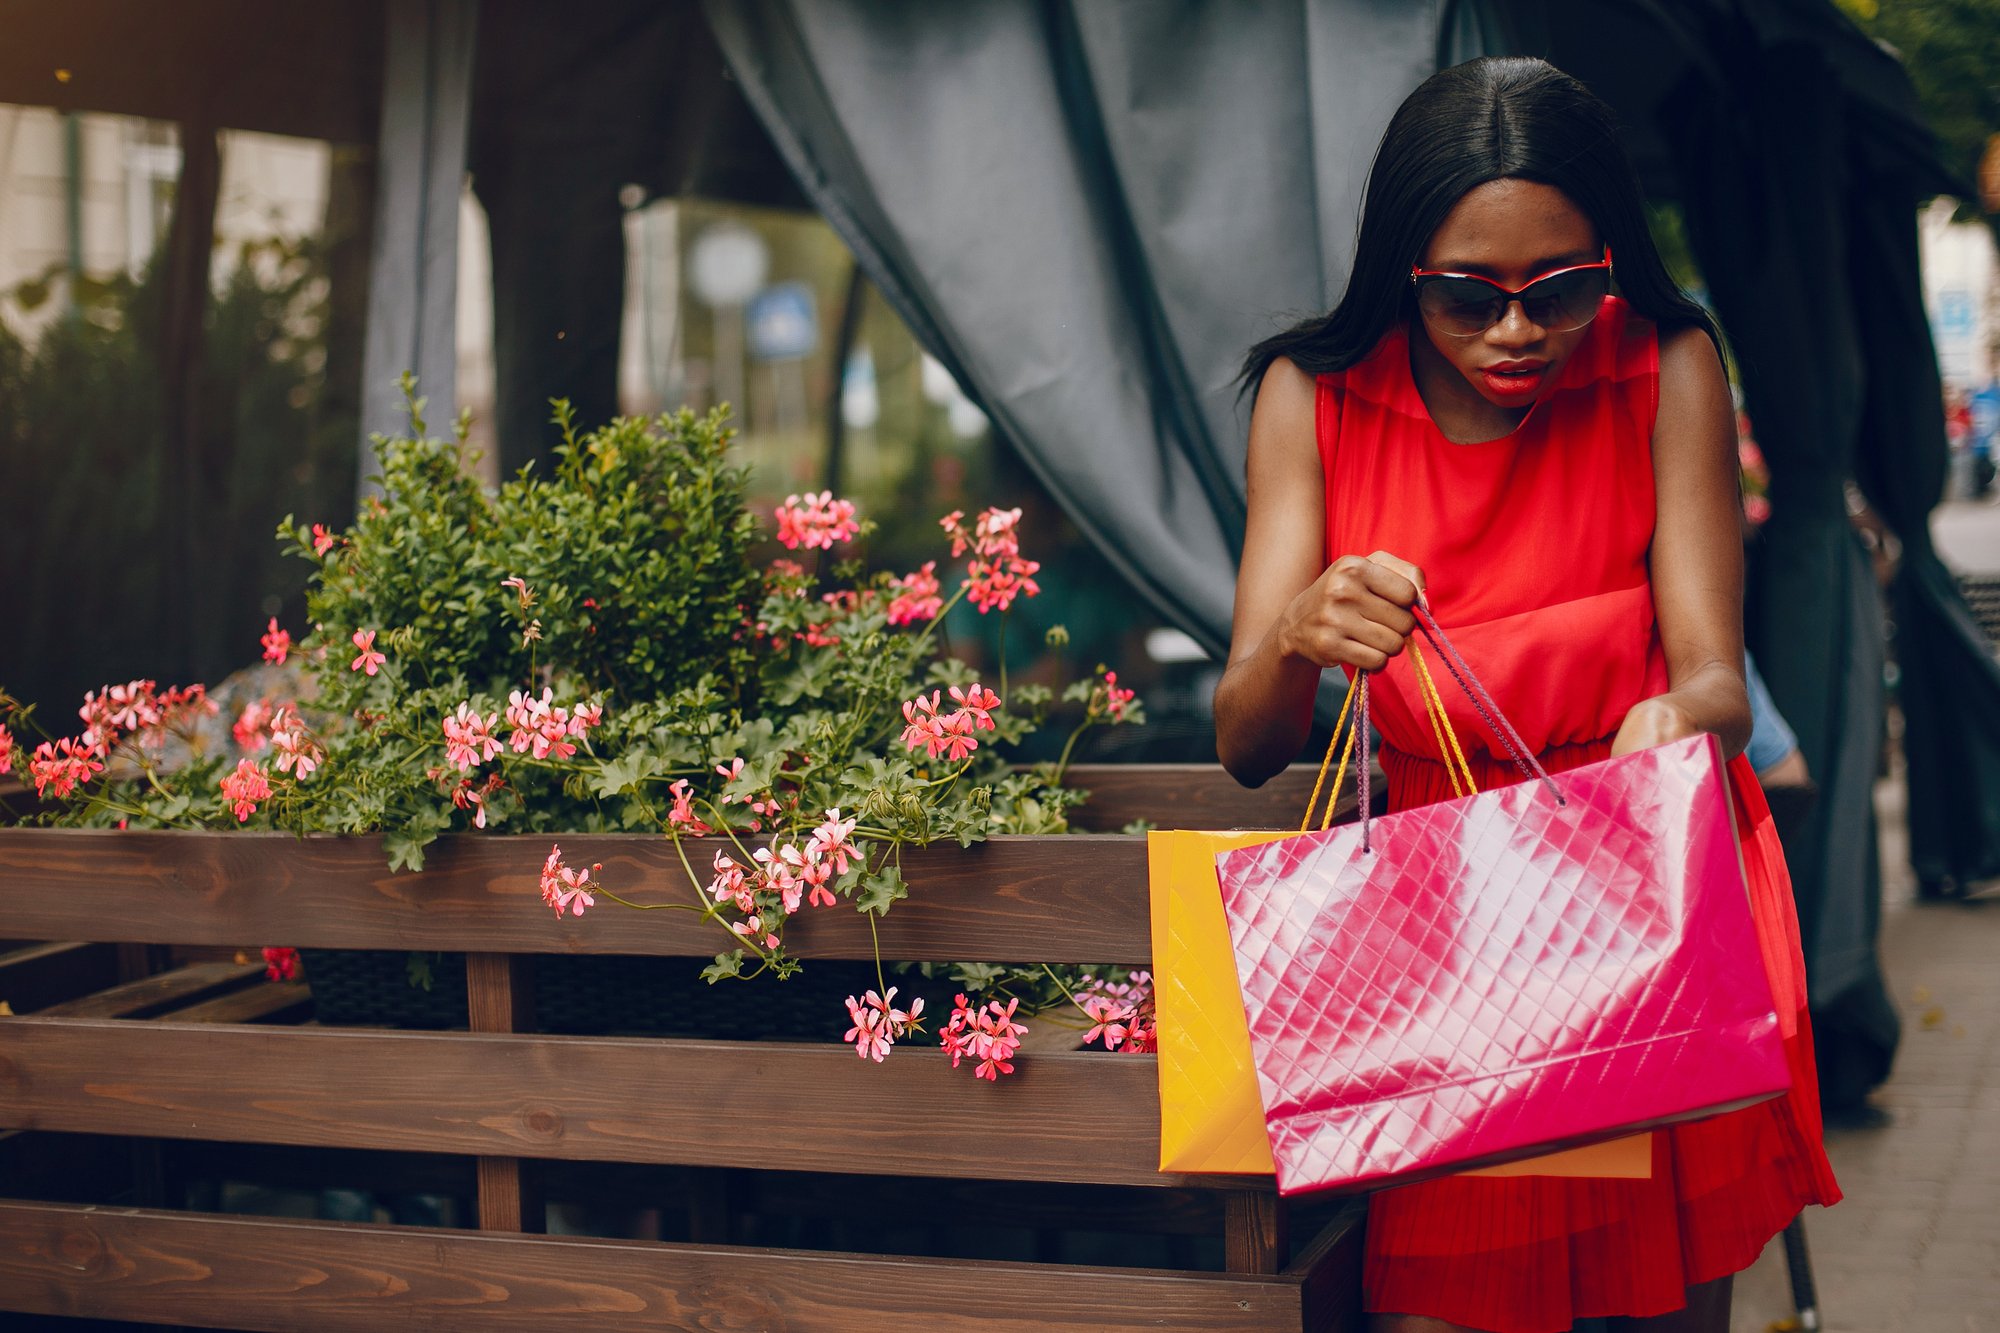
1503 974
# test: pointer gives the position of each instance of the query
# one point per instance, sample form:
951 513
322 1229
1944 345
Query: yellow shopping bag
1211 1115
1211 1118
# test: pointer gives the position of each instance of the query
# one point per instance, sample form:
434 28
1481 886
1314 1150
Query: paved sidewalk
1967 534
1915 1247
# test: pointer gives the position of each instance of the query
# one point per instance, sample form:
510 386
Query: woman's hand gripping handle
1355 615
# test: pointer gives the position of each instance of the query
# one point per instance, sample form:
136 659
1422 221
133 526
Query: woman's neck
1460 412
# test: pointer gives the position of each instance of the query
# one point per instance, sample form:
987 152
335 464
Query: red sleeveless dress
1535 548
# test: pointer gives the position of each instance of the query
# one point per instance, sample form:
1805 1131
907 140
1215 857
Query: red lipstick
1516 380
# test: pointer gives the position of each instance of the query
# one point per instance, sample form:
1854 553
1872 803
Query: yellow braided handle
1456 766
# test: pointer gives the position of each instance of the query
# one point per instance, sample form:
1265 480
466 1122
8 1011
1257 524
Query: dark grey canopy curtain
1089 211
413 284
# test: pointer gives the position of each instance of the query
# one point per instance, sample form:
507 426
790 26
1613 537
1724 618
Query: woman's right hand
1355 614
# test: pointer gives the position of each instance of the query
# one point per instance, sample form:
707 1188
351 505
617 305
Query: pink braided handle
1489 712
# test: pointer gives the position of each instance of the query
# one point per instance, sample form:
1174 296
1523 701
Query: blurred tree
83 525
1952 50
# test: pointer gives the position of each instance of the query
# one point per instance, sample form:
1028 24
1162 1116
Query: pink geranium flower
916 599
947 736
976 705
58 766
539 726
1121 1013
732 883
993 534
297 753
119 709
1116 700
249 729
6 750
815 521
370 661
878 1023
322 539
567 889
833 841
277 643
992 585
281 964
245 787
468 797
989 1036
778 873
682 815
468 738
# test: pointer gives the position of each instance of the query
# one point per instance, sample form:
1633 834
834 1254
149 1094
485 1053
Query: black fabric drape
1089 211
1766 177
569 118
1950 684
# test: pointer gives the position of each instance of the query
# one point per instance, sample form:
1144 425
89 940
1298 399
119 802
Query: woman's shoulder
1687 351
1287 402
1691 377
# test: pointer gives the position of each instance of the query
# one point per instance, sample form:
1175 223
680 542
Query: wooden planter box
217 1077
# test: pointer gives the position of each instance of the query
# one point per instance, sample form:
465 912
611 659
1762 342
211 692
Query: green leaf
406 849
882 890
625 772
417 968
726 965
808 678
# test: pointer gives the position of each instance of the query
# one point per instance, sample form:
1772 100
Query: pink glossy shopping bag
1536 967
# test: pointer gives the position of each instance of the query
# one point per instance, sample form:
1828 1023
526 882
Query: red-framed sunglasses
1465 305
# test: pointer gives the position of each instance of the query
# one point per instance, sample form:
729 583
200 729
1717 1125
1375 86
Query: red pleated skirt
1533 1254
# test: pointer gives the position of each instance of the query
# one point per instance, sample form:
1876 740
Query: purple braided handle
1361 778
1489 712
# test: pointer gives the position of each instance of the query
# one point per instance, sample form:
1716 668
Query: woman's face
1512 231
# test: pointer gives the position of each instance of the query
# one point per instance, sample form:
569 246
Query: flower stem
1062 763
876 940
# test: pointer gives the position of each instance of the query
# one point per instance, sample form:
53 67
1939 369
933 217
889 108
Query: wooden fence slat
146 995
1196 796
270 1274
1079 899
252 1004
34 976
1330 1266
500 998
1254 1236
1085 1117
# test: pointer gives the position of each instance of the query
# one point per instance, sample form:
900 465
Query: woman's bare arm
1697 556
1295 614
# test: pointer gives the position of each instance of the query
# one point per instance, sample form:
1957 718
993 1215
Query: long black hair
1485 120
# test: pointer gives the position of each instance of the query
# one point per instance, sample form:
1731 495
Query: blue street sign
1956 315
782 322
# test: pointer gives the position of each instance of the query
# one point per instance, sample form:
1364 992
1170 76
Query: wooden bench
220 1072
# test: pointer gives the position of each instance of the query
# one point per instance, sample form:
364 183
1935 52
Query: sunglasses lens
1467 306
1567 300
1462 306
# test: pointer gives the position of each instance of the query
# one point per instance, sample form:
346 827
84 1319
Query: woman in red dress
1483 422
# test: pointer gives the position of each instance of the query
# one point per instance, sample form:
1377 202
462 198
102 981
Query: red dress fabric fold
1535 548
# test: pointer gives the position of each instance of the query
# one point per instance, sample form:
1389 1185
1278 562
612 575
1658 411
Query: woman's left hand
1651 722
